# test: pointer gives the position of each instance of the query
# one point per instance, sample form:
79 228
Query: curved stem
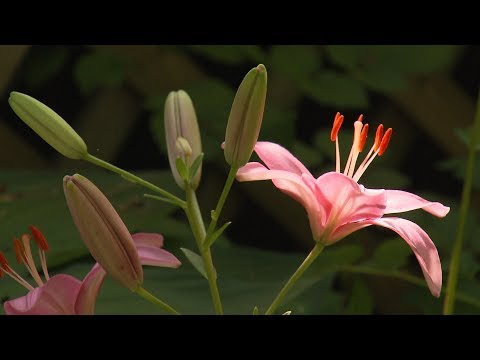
156 301
317 249
221 201
449 303
198 228
133 178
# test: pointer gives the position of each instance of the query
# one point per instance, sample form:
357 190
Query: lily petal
422 246
299 188
149 239
346 201
277 157
401 201
56 297
150 253
149 247
87 296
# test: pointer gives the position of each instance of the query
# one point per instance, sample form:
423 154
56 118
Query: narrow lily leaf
195 166
216 235
255 311
181 168
196 260
160 198
289 312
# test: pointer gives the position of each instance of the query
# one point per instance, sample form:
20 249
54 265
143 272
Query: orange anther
363 138
3 262
378 137
360 118
19 251
337 124
385 141
39 238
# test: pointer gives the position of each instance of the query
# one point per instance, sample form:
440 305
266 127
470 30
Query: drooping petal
277 157
56 297
345 201
87 296
422 246
401 201
297 187
149 239
150 252
149 246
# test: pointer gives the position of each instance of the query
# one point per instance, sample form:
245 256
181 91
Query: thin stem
133 178
221 201
358 269
298 273
449 303
198 228
156 301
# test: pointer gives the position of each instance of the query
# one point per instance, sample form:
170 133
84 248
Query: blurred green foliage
307 85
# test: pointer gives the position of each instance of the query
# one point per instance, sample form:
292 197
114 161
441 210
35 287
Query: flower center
23 253
359 140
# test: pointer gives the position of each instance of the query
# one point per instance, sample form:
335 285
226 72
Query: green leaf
391 254
181 168
336 89
457 167
255 311
100 69
231 54
196 260
217 234
297 62
195 166
42 64
361 301
346 56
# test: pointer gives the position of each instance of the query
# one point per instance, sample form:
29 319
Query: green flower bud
181 122
103 231
246 117
49 125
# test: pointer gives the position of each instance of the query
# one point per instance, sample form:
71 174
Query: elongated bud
181 122
246 117
49 125
103 231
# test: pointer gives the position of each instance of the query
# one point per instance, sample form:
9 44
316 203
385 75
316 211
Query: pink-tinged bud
246 117
181 122
49 125
103 231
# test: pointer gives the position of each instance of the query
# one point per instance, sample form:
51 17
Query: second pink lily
337 205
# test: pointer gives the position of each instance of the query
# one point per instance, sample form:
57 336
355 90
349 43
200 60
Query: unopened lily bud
103 231
181 122
49 125
246 117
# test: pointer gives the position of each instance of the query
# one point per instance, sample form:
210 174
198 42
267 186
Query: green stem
358 269
449 303
156 301
298 273
221 201
130 177
198 228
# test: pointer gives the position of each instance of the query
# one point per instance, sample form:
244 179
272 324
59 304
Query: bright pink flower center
359 140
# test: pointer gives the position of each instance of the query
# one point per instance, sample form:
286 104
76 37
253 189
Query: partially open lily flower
337 205
64 294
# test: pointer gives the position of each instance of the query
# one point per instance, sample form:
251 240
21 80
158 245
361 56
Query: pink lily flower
64 294
337 205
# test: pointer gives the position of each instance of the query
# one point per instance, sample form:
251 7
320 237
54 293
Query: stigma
23 254
360 134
